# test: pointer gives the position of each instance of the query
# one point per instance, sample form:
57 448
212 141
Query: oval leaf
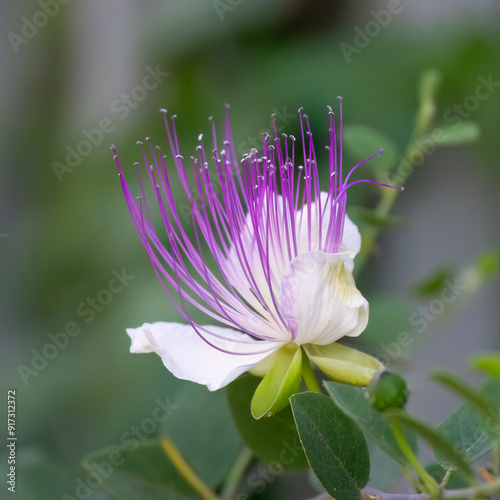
280 382
463 429
271 439
335 446
353 402
482 402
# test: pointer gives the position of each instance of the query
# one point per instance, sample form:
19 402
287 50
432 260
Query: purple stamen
250 216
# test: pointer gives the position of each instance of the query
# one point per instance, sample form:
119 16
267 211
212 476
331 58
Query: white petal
320 299
189 357
351 241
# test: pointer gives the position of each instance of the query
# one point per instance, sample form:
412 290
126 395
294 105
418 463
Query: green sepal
344 364
280 382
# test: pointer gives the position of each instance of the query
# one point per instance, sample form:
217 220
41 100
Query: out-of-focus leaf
200 413
335 446
433 283
374 424
460 133
37 475
141 472
271 439
488 362
488 264
436 440
363 141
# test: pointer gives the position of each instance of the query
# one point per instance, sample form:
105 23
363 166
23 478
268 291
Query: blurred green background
64 232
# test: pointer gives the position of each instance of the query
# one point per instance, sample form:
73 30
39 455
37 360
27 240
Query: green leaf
488 264
374 424
481 402
436 440
271 439
137 472
363 141
433 284
279 383
202 419
335 446
459 133
464 430
488 362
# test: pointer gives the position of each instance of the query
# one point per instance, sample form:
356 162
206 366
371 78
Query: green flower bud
387 390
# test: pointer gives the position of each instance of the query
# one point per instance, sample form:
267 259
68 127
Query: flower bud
387 390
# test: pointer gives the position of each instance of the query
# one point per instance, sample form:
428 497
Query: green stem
447 478
185 470
427 480
467 493
308 374
237 470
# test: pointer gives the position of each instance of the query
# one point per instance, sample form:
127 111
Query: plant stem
237 470
308 374
467 493
185 470
427 480
447 478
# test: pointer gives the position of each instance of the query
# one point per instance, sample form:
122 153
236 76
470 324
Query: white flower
274 269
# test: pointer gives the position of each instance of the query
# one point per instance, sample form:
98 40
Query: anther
163 110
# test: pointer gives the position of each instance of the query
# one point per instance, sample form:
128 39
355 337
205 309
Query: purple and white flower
266 255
